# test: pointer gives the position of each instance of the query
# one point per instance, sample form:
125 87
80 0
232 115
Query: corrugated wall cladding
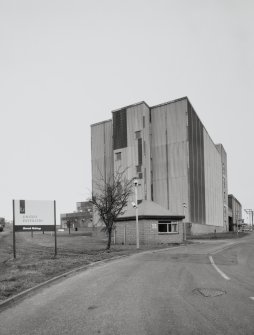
102 154
170 155
213 183
223 154
196 166
119 129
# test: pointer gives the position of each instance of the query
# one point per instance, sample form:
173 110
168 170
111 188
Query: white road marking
217 269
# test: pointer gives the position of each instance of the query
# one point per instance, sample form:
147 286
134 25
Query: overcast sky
65 64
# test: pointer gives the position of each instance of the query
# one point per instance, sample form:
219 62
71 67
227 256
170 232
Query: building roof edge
97 123
129 106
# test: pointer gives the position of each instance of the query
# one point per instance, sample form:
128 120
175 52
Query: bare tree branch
110 198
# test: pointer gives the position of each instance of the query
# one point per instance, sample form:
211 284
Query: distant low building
2 224
234 213
81 218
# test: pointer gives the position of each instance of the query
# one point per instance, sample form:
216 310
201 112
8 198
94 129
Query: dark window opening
119 129
138 168
167 227
162 228
139 151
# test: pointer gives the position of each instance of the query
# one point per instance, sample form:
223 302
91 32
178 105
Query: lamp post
184 224
136 208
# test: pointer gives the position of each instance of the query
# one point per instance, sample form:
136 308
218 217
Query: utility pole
250 213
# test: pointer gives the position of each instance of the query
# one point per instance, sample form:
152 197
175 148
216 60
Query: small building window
118 156
144 121
138 168
138 134
168 227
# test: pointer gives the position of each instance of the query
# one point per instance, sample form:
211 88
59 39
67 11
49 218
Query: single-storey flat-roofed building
177 164
81 218
156 225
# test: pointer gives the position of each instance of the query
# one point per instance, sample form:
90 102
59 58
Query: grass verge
36 263
214 236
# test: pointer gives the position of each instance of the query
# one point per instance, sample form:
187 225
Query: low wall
196 229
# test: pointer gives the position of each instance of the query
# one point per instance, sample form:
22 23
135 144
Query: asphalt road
175 291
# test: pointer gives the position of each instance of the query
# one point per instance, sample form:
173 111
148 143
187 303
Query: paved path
175 291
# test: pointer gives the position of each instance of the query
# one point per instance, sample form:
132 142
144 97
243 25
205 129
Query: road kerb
6 303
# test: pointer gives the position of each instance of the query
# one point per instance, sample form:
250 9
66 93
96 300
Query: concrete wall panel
170 155
213 183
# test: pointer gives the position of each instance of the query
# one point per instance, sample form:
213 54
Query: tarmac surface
201 288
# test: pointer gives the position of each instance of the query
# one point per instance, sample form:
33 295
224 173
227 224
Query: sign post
14 239
55 227
33 215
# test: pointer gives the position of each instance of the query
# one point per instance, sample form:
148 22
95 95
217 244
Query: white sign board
34 215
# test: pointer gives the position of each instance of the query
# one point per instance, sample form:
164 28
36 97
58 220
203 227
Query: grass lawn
35 261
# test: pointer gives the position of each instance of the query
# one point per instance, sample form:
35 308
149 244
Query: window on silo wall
140 151
138 134
119 129
118 156
138 169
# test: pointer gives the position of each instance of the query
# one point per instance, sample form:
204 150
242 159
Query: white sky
65 64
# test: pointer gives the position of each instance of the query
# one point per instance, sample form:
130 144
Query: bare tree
110 199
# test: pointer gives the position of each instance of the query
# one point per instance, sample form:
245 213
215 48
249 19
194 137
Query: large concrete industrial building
171 153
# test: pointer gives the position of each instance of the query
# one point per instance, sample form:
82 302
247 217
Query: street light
135 205
184 225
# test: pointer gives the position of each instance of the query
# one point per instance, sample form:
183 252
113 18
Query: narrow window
118 156
138 134
144 122
174 227
139 151
138 168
